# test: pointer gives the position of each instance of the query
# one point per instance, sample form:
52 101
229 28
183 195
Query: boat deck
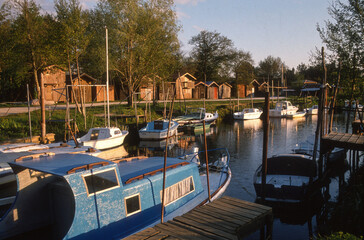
224 218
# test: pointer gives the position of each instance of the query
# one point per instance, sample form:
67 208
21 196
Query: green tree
211 53
143 40
343 36
243 67
270 67
73 38
29 40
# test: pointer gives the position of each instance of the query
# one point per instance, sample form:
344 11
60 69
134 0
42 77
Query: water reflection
244 141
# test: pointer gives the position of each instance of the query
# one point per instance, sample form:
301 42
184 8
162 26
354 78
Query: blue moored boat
71 196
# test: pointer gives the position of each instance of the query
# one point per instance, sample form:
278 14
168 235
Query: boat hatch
141 176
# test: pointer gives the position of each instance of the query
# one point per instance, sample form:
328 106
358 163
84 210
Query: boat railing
220 162
87 166
129 159
33 156
141 176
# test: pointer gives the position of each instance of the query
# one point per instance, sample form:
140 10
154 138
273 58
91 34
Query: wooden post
136 112
67 115
42 106
165 158
321 112
207 161
29 116
333 101
265 141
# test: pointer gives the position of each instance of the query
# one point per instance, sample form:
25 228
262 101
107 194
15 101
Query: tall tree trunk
83 96
70 73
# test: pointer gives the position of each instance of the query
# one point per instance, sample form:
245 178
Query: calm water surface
244 141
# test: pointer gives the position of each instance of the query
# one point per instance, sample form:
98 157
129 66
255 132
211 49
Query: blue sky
281 28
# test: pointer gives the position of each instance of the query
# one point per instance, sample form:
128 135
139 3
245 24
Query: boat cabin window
158 125
132 204
94 134
101 181
178 190
117 132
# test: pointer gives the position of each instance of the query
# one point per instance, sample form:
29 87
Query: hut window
101 181
178 190
132 204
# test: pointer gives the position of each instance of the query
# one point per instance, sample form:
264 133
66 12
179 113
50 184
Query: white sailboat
104 137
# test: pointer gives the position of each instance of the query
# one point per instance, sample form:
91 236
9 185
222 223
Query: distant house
85 84
147 91
241 90
184 86
225 90
310 86
165 90
53 78
211 87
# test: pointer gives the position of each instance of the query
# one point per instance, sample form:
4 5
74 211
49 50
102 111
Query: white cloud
188 2
181 15
198 28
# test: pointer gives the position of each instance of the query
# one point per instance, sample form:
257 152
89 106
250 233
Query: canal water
244 141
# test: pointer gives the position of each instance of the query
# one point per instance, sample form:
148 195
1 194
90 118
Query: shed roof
207 84
82 76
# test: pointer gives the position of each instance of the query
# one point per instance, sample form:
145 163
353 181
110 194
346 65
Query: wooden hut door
216 92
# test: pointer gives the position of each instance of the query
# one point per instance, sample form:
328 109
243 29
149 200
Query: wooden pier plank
225 218
239 209
200 232
343 140
145 234
206 227
217 222
245 206
222 215
236 210
230 214
178 232
254 205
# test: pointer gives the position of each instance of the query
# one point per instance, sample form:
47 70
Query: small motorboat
289 178
196 116
312 110
157 130
307 147
103 138
72 196
282 109
296 115
248 113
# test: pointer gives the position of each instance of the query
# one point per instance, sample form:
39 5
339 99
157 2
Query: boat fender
91 150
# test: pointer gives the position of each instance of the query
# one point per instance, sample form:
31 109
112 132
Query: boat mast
107 79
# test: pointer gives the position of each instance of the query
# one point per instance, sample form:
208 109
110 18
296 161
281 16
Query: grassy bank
17 126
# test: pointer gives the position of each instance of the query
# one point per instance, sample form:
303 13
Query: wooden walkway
343 140
224 218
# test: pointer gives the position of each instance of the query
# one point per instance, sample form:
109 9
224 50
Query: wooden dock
343 140
224 218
